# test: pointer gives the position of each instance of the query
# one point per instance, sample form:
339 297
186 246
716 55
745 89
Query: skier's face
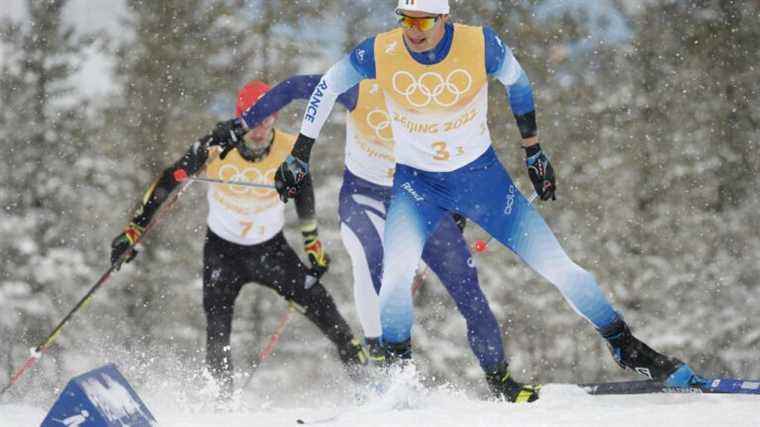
422 31
260 135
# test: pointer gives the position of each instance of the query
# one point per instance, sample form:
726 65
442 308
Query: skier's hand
292 172
289 177
541 172
122 247
320 261
226 135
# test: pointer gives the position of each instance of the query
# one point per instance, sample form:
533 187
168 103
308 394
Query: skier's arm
305 206
501 63
339 78
191 162
312 245
356 66
294 87
158 192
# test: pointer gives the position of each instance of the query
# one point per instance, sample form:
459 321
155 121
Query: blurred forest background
644 106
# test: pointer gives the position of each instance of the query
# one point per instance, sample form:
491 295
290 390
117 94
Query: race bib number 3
441 151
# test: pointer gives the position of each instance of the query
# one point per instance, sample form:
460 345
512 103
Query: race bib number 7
247 225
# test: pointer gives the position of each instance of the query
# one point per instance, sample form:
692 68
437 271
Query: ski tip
300 421
481 246
180 175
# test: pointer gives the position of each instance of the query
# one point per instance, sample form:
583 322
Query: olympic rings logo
432 86
380 122
229 172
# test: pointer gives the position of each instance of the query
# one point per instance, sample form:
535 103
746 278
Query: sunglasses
422 24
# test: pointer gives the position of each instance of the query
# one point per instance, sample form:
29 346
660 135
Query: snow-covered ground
407 403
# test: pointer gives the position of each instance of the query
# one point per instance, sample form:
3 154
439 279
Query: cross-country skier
434 75
244 240
364 198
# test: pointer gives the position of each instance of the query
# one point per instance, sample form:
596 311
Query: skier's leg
498 207
366 254
510 218
221 286
447 255
365 293
362 214
279 268
412 216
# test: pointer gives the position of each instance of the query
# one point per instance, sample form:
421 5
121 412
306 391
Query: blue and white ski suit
438 104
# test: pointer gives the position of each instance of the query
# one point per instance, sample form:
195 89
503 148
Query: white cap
438 7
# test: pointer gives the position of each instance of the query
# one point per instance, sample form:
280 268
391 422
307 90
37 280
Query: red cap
249 94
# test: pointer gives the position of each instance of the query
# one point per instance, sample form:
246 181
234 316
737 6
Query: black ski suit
228 266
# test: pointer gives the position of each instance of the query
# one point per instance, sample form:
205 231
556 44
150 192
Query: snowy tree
47 135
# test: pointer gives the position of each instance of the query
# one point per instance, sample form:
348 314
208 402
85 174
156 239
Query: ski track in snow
560 405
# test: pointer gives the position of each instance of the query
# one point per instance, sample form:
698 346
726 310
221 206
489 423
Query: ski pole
181 175
37 352
273 340
419 279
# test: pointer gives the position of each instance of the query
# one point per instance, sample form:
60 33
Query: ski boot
355 358
375 352
377 367
219 385
630 353
398 354
502 386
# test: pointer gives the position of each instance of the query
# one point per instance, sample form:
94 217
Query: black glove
122 247
227 135
541 172
292 172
